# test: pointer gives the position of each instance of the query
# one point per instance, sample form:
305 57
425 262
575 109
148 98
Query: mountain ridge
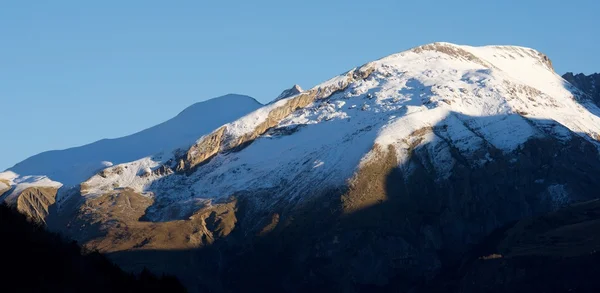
589 84
150 141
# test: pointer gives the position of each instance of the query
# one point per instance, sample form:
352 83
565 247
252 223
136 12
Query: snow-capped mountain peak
496 95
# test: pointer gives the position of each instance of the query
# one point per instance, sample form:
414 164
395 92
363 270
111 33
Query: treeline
35 260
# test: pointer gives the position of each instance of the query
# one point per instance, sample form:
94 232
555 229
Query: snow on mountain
21 183
8 177
376 171
74 165
496 95
309 141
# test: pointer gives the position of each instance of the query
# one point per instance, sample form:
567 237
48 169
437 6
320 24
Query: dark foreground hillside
557 252
34 260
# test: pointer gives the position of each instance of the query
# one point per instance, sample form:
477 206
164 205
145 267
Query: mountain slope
557 252
40 261
74 165
378 177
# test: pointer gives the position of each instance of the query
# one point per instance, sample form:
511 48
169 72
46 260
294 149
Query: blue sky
73 72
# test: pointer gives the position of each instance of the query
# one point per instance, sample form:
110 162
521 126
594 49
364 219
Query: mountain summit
386 173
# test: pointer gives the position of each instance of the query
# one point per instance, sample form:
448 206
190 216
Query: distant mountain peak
296 89
589 84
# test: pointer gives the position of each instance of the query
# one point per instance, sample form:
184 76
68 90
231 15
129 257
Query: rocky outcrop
546 60
296 89
207 147
117 170
215 142
276 115
589 84
35 202
159 172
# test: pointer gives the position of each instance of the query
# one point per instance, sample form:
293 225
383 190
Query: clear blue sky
72 72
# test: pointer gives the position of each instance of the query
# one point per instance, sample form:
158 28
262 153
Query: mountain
378 179
589 84
74 165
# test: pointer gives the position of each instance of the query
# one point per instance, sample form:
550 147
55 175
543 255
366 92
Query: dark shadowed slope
557 252
375 180
34 260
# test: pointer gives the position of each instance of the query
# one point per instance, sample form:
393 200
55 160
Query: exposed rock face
274 117
393 228
35 202
203 150
219 141
114 222
589 84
